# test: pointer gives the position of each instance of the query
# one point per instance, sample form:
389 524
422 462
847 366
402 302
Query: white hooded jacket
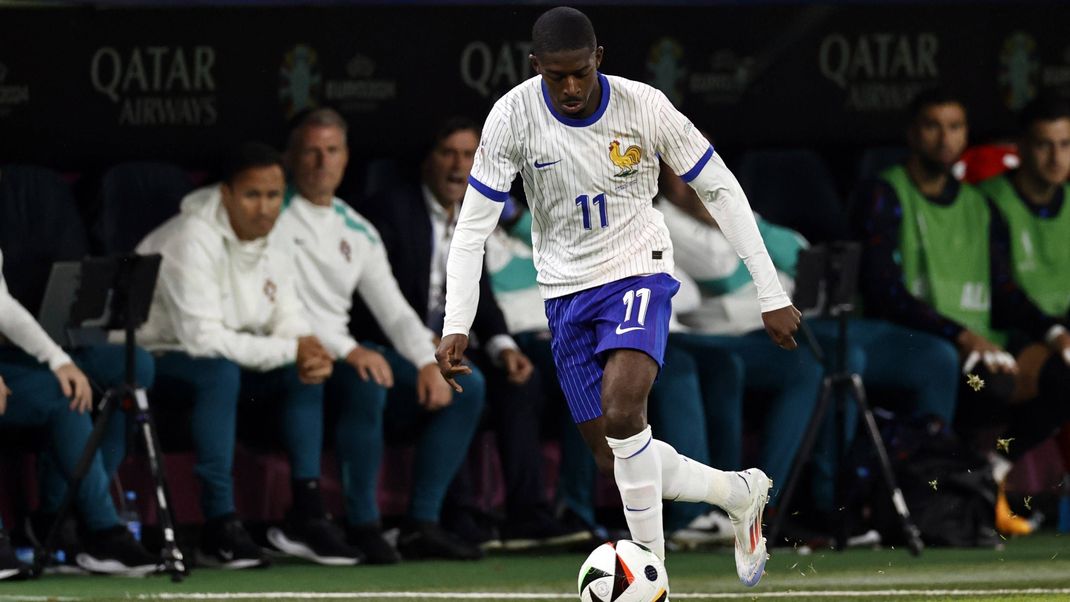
218 296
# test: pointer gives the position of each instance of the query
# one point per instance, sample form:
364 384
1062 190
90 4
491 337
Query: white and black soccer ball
624 571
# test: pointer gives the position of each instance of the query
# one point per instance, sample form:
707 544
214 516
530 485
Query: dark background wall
82 87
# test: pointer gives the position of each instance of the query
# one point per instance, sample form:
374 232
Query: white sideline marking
881 593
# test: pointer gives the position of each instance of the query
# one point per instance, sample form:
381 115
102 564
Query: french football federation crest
628 161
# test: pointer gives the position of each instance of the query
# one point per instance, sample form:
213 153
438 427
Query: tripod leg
909 529
802 456
74 483
173 560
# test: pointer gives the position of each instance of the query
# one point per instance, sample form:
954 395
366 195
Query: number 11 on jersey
584 202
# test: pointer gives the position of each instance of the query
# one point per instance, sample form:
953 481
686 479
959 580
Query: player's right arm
496 165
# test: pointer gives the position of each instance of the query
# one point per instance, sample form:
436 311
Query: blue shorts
632 313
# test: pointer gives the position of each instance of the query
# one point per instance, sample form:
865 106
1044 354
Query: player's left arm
723 197
689 154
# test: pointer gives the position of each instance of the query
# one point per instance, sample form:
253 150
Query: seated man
1030 229
41 386
416 222
932 263
338 254
226 324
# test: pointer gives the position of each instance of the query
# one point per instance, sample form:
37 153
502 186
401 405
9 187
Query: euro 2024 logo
300 81
1019 73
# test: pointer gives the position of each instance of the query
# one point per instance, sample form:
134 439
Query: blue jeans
213 386
442 437
37 400
105 367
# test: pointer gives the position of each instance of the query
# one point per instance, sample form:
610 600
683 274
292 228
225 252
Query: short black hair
930 98
1043 108
562 28
247 156
449 127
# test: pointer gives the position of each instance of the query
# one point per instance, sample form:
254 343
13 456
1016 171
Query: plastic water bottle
130 515
24 554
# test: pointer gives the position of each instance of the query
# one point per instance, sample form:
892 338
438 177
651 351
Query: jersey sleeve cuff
775 302
487 191
694 171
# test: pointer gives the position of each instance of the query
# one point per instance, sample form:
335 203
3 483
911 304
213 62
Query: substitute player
587 146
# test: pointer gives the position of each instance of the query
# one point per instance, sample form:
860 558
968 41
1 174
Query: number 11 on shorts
644 300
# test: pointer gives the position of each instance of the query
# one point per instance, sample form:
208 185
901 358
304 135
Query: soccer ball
625 571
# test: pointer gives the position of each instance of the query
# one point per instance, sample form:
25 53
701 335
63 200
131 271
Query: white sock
686 480
637 470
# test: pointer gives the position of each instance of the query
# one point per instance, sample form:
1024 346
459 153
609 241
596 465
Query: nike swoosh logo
226 555
629 509
624 330
542 165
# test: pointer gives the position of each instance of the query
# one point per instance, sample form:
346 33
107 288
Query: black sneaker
114 551
430 540
537 528
368 538
65 548
10 566
475 527
315 539
225 543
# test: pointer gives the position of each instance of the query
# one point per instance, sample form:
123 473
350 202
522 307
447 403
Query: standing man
339 253
226 324
586 145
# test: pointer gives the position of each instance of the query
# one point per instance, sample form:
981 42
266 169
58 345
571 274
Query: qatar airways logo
157 85
880 71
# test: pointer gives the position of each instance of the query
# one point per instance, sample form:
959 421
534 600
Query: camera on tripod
826 284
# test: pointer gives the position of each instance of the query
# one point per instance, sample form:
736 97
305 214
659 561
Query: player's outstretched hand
450 354
782 324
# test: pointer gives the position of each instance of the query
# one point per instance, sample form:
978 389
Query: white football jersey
590 182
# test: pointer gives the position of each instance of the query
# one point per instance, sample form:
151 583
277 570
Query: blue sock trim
641 450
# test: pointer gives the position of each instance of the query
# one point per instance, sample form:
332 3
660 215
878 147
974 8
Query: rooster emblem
628 161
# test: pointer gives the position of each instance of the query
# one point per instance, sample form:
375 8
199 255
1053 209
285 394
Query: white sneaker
747 523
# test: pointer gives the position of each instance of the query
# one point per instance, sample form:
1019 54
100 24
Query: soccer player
586 145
